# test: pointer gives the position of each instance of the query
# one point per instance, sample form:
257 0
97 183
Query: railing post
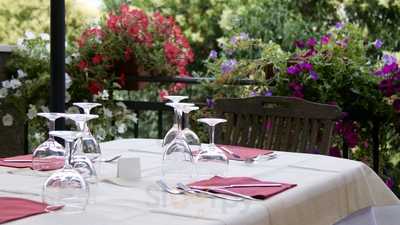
57 59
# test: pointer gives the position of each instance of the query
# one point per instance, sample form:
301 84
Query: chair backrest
278 123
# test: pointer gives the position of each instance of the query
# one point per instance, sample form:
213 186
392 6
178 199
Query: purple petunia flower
268 93
293 70
378 43
325 39
335 152
306 66
386 87
311 42
339 25
299 44
389 59
313 75
253 93
228 66
389 183
233 40
396 105
213 54
297 89
387 68
210 102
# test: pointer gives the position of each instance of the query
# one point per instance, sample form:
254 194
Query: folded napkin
18 208
17 164
255 192
244 152
52 163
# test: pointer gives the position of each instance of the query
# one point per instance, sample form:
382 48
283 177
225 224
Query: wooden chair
277 123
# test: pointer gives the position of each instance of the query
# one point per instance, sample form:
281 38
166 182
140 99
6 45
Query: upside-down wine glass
171 134
50 154
178 157
211 160
86 106
87 144
189 135
66 187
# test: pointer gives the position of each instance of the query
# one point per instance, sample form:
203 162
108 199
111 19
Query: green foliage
380 18
19 16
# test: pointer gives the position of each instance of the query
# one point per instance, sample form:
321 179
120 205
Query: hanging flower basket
131 42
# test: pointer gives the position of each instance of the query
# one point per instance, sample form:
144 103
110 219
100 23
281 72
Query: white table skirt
328 190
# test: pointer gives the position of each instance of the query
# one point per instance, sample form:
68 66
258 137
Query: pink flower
162 94
325 39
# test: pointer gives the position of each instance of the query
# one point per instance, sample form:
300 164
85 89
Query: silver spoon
260 157
210 194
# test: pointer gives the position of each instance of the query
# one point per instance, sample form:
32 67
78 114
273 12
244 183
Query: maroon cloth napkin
46 164
18 208
244 152
17 164
255 192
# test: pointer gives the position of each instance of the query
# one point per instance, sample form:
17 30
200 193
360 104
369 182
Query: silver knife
236 186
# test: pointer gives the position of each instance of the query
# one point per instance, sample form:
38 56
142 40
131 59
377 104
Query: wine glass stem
186 119
68 154
52 126
178 119
212 129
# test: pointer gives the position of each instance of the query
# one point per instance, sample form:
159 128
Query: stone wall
12 136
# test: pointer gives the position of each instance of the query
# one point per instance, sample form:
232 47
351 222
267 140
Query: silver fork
168 189
195 191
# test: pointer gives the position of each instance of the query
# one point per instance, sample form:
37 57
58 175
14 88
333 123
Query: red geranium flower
95 87
122 79
162 94
97 59
83 65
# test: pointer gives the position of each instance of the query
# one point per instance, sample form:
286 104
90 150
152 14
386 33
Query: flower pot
132 69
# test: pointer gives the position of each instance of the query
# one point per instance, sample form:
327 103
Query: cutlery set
205 190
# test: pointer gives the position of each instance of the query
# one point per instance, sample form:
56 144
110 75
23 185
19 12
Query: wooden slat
295 122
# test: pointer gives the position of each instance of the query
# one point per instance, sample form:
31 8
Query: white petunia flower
68 81
8 120
3 92
44 109
21 74
6 84
32 112
45 36
122 128
104 95
14 83
67 97
30 35
68 60
100 134
73 109
122 105
132 117
48 47
108 113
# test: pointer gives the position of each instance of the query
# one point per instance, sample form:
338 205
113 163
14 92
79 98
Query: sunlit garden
133 57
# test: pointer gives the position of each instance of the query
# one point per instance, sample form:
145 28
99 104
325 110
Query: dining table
327 190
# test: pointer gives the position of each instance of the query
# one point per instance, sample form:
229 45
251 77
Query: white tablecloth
328 190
